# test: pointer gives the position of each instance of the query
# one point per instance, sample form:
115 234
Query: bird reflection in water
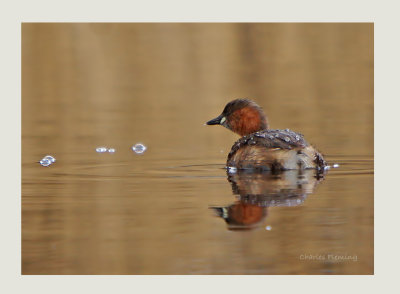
258 191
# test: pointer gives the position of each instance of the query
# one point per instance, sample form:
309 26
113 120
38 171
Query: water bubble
111 150
47 160
268 228
51 158
139 148
336 165
101 149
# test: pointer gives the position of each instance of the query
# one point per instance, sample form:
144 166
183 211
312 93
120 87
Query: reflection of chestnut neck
241 215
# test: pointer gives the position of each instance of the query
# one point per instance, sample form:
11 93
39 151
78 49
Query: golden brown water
91 85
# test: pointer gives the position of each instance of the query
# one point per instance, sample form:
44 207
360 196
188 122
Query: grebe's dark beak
215 121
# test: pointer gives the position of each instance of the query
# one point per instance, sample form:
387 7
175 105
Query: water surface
91 85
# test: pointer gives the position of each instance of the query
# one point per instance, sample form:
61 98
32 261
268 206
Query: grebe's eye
223 119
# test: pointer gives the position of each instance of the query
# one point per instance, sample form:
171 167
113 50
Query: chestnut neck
248 120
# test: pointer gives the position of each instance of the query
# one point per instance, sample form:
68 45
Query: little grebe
260 147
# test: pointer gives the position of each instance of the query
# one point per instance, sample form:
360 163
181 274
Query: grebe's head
241 116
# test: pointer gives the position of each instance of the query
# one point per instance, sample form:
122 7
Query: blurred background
86 85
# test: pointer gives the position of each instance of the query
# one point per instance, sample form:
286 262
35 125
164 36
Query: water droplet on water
232 169
336 165
268 228
47 160
111 150
139 148
51 158
327 167
101 149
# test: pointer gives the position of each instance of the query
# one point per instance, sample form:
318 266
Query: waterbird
261 148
